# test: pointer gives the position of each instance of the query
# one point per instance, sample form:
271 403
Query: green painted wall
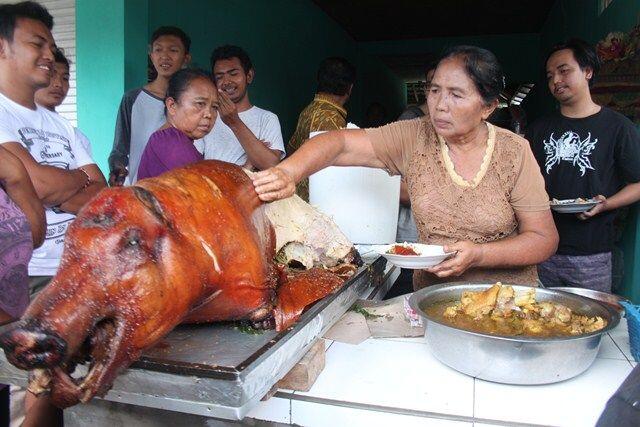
136 35
108 63
100 71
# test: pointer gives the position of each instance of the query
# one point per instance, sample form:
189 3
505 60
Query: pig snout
31 346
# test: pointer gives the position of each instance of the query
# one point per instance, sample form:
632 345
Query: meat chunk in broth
478 304
499 310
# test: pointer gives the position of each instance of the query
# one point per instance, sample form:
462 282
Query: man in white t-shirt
243 133
63 173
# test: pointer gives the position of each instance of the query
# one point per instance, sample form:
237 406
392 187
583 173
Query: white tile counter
397 382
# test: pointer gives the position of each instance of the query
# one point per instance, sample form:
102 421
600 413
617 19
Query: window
602 5
416 94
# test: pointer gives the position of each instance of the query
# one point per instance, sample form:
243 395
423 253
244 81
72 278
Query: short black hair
180 81
335 75
584 53
60 58
431 66
10 13
229 51
482 67
172 31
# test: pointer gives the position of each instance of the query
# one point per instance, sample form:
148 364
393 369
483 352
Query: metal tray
219 371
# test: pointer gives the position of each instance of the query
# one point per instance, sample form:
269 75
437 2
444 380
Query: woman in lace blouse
474 187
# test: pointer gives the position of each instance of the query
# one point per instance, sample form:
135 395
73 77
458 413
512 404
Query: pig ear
151 203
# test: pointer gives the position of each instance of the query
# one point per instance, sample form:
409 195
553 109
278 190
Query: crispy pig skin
193 245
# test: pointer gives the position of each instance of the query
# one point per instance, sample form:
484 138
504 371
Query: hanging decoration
618 84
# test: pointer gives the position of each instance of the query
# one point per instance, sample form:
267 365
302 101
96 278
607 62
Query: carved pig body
193 245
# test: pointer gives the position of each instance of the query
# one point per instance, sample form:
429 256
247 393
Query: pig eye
132 239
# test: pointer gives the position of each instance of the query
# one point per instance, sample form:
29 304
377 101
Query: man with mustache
585 151
243 133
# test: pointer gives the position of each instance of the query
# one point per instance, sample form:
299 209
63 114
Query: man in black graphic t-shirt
586 151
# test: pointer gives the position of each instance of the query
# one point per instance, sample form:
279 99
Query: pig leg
301 290
240 300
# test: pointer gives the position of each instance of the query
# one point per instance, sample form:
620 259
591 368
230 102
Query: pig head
136 261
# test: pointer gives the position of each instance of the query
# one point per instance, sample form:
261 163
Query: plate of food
573 205
414 255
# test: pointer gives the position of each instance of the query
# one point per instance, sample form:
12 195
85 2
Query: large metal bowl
512 360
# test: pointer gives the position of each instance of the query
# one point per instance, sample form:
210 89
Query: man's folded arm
53 185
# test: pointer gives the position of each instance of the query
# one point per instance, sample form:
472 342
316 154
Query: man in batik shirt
326 112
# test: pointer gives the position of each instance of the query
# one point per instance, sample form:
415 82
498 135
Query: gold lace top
448 208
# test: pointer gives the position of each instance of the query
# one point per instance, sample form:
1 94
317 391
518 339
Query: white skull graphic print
569 148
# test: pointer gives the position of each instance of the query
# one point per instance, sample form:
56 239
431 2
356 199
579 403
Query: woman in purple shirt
192 108
22 228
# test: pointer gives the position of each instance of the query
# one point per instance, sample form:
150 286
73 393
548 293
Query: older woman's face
195 112
455 105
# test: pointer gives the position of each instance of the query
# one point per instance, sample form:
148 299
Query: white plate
429 255
571 206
